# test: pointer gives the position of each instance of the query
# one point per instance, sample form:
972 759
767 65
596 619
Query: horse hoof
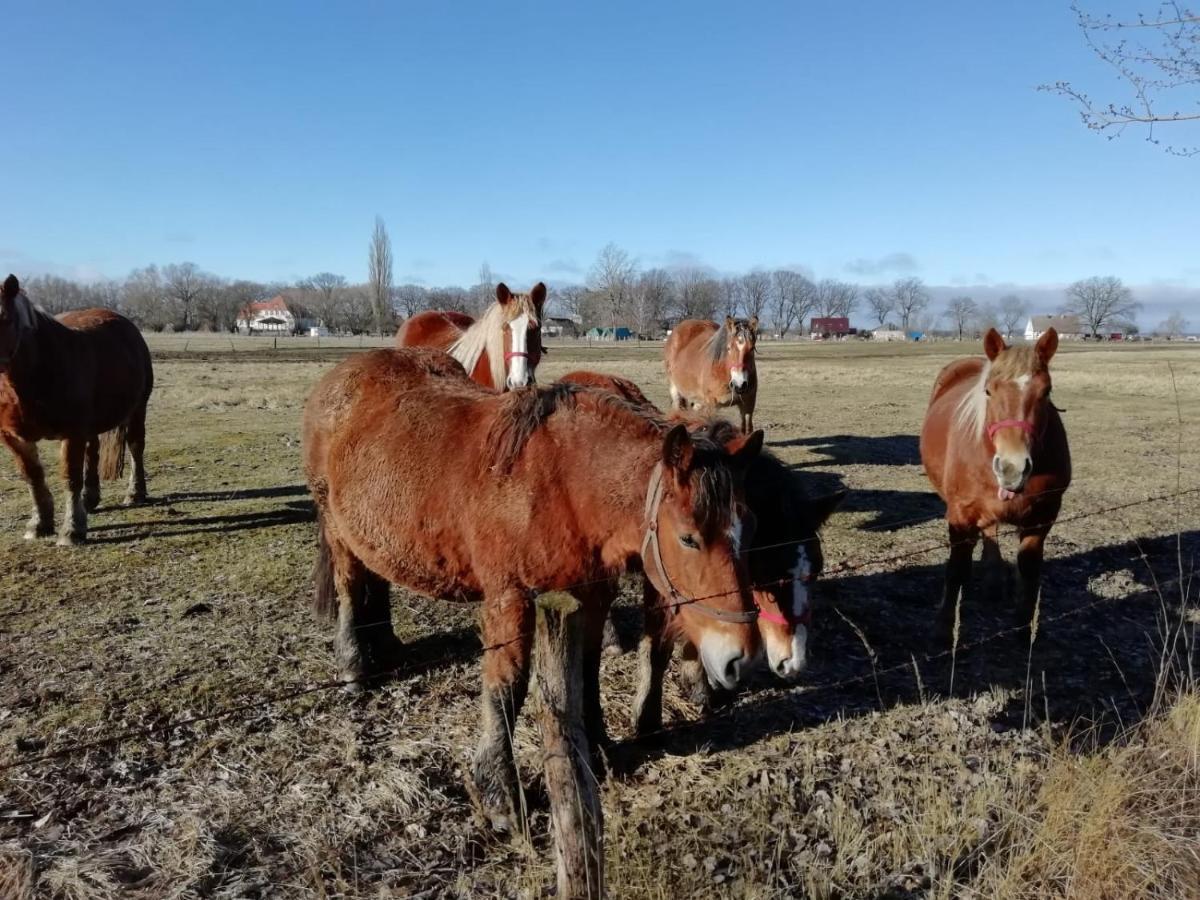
354 688
71 540
134 500
32 534
91 504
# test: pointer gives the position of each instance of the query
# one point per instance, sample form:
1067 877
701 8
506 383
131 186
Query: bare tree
729 290
880 302
325 283
651 296
911 299
379 278
229 302
411 299
1174 325
187 286
1101 301
986 316
792 299
697 294
836 298
143 299
1156 58
453 299
961 312
1012 312
611 279
483 292
755 292
56 295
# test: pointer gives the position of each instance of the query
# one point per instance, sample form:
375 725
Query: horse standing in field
501 350
502 496
83 378
782 547
995 449
710 366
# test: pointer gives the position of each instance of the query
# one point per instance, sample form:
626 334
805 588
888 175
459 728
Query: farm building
823 327
275 316
889 334
608 333
557 326
1068 327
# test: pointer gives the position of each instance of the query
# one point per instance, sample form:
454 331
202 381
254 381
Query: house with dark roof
1067 326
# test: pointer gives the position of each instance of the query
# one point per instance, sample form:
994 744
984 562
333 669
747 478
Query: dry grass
844 785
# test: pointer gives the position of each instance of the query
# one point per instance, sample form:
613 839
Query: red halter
766 615
510 355
1009 423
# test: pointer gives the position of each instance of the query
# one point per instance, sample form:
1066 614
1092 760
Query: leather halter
511 355
661 580
1025 426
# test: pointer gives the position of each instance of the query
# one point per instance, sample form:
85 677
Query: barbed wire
833 573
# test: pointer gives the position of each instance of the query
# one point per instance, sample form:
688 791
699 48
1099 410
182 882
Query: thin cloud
563 266
890 263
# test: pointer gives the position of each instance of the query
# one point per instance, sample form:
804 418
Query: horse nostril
996 464
1028 465
732 667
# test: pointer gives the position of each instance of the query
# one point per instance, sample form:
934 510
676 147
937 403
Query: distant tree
611 279
225 305
792 299
453 299
651 299
572 299
410 299
483 292
1174 325
961 312
379 280
186 286
54 294
910 300
836 298
1101 301
1012 312
755 293
729 290
986 316
1156 58
880 302
324 283
143 298
697 294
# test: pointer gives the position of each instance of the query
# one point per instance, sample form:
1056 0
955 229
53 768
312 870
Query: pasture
892 768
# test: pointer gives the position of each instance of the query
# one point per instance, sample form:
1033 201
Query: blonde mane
971 415
485 333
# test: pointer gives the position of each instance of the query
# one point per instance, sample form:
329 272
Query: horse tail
325 601
112 453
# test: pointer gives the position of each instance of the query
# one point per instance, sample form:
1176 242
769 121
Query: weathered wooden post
570 782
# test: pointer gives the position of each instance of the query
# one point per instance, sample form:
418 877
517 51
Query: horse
83 378
995 449
460 506
783 550
501 350
710 366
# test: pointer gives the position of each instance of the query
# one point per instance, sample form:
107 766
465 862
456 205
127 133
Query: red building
829 326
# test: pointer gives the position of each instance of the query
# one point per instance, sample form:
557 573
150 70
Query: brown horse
995 449
506 495
783 551
710 366
501 350
83 378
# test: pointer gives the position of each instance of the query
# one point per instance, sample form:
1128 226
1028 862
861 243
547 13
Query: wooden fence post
570 782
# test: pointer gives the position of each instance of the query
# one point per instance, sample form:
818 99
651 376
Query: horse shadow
290 514
892 509
1096 663
859 450
264 493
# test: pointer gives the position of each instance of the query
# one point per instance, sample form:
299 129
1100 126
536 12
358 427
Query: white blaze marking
801 572
518 366
735 535
1022 381
738 377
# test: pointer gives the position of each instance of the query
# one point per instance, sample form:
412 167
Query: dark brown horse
83 378
710 366
506 495
995 449
781 545
501 350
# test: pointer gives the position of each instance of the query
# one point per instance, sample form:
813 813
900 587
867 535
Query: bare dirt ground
893 768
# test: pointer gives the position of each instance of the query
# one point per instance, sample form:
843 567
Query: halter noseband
1024 425
662 581
766 615
511 355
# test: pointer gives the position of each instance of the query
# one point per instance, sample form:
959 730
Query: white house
889 334
1067 327
275 316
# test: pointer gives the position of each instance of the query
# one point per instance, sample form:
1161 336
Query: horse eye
689 541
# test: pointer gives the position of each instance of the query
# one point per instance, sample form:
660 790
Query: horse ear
823 507
677 449
754 325
993 344
1046 345
742 450
12 287
538 294
729 323
503 294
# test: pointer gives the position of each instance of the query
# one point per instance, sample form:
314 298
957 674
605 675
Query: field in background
891 769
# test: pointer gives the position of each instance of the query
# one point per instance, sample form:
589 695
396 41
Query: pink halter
766 615
509 356
1009 423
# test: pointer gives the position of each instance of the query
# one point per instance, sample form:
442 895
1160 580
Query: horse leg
41 524
1029 570
507 639
995 572
135 438
654 655
376 628
91 474
74 524
597 601
349 640
958 576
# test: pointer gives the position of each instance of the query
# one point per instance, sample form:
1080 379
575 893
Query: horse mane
716 345
971 414
485 334
28 314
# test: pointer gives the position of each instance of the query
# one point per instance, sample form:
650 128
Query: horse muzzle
1012 473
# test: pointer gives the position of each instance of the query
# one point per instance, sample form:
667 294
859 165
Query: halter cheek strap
1009 423
651 553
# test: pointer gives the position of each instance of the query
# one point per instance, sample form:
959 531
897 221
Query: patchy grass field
892 769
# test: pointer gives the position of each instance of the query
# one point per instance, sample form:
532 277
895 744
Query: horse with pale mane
995 449
83 378
459 506
501 350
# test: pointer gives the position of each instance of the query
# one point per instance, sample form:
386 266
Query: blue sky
861 141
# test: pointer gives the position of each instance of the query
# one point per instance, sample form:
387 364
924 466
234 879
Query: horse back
433 328
686 356
954 376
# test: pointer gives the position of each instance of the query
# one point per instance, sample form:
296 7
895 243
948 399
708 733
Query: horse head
522 315
1016 397
692 552
17 317
740 337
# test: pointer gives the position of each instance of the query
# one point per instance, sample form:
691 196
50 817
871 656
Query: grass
845 785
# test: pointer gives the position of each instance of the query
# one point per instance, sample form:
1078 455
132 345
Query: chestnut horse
501 350
995 449
783 550
710 366
506 495
83 378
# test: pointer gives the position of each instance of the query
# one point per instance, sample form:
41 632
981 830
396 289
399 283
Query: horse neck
44 348
483 339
